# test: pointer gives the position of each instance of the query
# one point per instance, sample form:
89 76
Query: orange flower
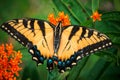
64 19
96 16
9 61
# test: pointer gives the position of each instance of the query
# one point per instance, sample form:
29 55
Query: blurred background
102 66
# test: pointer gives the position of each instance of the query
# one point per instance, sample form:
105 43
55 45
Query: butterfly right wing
35 34
78 42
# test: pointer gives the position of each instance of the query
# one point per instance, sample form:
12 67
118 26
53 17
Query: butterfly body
57 36
61 46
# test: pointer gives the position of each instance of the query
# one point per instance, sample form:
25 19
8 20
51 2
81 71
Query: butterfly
62 46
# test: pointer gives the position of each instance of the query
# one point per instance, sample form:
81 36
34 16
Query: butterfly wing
77 42
35 34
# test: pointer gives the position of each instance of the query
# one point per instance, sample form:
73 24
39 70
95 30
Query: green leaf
75 9
112 72
114 16
95 5
62 76
90 71
56 75
30 72
74 73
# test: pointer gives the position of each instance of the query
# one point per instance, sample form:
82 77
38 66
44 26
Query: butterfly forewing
30 32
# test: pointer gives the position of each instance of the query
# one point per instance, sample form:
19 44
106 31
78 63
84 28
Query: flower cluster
64 19
96 16
9 61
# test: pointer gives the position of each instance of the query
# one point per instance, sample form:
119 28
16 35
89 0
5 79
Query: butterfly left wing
35 34
77 42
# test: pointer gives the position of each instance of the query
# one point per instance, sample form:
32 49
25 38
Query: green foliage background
104 65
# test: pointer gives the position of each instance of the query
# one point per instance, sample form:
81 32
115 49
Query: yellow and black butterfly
62 46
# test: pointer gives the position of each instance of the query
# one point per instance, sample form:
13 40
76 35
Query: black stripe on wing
42 27
73 31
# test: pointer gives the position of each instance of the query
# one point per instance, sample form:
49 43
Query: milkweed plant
10 61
